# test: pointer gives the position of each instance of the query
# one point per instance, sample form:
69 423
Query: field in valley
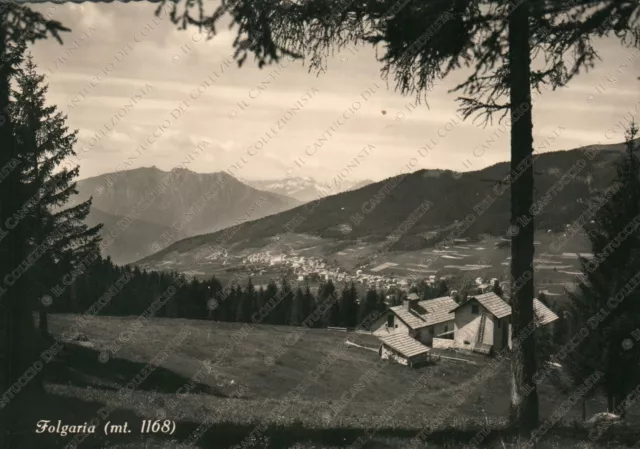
306 386
491 257
555 270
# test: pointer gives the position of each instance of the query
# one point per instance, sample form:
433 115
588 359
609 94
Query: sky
193 107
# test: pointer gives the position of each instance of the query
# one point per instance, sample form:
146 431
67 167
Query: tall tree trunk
43 323
524 396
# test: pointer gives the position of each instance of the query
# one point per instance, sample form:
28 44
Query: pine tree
345 301
327 293
349 306
235 299
270 296
246 303
43 143
308 303
438 290
191 298
367 306
615 242
381 305
18 25
285 298
214 289
297 313
260 301
355 300
316 304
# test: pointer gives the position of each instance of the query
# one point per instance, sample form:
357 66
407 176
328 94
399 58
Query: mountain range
566 183
305 189
169 206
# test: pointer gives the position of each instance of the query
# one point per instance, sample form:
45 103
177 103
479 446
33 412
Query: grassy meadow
305 387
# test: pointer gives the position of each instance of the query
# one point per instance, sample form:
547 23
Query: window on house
390 320
499 324
446 328
475 309
431 331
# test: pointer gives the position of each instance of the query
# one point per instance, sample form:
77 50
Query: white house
483 322
421 320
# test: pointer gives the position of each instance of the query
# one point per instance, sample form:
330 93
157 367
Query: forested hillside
566 182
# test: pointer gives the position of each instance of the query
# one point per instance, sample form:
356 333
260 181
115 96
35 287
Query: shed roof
405 345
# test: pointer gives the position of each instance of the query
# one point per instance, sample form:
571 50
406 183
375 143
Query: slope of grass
349 391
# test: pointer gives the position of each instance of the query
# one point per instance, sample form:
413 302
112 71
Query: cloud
152 61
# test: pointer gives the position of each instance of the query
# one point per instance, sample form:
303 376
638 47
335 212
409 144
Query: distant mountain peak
191 204
305 188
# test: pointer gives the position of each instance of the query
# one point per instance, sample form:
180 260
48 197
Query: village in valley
304 258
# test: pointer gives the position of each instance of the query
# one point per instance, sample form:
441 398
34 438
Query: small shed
403 349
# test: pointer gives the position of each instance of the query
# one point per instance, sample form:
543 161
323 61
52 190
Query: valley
420 225
301 257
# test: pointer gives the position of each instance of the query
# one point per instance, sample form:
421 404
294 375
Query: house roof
438 310
428 312
490 301
545 314
405 345
500 309
413 296
494 304
411 319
